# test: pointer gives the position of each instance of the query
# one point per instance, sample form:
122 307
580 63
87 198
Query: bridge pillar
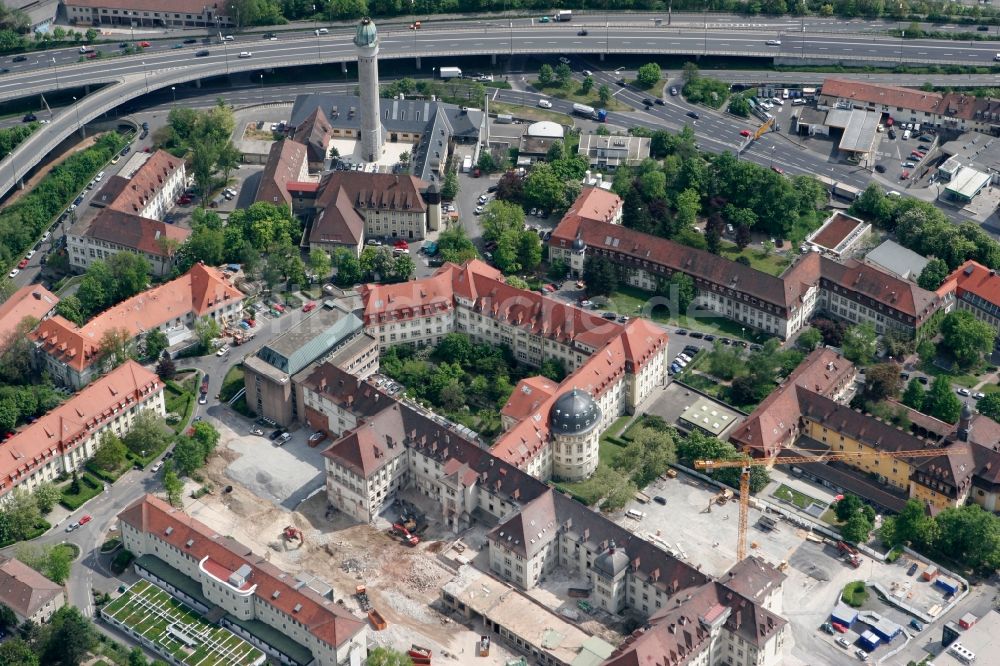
86 90
197 83
343 67
493 59
418 62
20 183
602 57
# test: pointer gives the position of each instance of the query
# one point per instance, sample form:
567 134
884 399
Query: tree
70 637
155 343
46 496
681 287
860 343
604 94
587 85
347 265
856 529
545 75
601 276
7 617
20 514
688 207
648 455
166 368
129 273
690 72
648 75
115 348
739 106
883 381
319 262
911 526
970 535
206 436
173 486
455 246
809 339
545 188
188 455
941 402
17 652
933 274
529 250
500 217
148 435
450 188
111 453
914 396
848 506
206 329
383 656
71 308
966 337
58 562
563 74
137 658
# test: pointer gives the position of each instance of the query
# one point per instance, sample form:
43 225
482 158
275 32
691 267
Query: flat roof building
966 184
857 129
893 258
839 235
610 152
272 390
709 416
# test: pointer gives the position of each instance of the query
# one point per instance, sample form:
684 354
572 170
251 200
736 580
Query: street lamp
145 75
262 83
173 89
78 125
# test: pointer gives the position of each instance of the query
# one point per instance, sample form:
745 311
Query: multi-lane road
171 62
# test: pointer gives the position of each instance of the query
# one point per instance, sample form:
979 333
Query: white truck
564 15
450 73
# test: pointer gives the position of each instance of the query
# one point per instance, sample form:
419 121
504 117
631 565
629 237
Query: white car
223 350
479 210
13 272
156 467
30 254
246 54
564 60
322 31
229 38
964 391
545 104
774 42
978 395
587 72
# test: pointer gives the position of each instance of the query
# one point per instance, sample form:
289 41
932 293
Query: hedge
40 528
90 487
105 475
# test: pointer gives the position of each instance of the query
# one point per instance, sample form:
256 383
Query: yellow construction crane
763 129
747 462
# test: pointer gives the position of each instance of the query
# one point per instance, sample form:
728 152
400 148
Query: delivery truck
599 115
450 73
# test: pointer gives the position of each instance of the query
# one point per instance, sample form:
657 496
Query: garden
464 381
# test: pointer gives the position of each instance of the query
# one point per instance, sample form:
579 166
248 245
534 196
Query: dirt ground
30 184
403 583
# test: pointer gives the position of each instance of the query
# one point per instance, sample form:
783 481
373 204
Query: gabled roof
24 590
777 417
321 617
69 424
146 182
889 290
314 132
345 196
972 279
338 223
201 290
875 93
528 396
371 445
136 232
31 300
285 164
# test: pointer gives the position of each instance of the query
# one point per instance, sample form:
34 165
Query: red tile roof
314 133
146 182
321 617
32 300
593 203
284 166
181 6
344 196
892 96
136 232
70 424
889 290
24 590
368 448
973 279
528 396
776 419
201 290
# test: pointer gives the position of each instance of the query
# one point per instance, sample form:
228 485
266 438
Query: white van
798 101
322 31
635 515
906 135
778 101
99 176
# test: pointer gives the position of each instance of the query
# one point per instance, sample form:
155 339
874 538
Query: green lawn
573 93
156 616
90 487
801 500
179 398
636 302
773 264
530 113
966 380
232 384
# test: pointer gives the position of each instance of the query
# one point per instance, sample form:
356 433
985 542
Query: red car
144 45
22 263
904 175
839 627
86 519
744 132
91 55
777 169
184 200
251 322
401 244
309 307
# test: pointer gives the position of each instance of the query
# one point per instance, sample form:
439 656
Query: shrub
855 594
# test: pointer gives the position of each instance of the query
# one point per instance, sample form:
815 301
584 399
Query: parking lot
697 529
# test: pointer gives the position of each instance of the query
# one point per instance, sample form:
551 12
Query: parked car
223 350
283 439
156 467
912 570
309 307
276 434
828 628
843 642
744 132
879 168
660 499
978 395
916 624
673 91
86 518
964 392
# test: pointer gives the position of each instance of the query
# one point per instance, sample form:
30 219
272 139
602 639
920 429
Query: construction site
391 572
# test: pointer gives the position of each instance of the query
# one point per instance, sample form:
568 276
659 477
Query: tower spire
366 41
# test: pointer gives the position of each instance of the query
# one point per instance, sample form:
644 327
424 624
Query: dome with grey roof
578 244
574 413
611 562
366 34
